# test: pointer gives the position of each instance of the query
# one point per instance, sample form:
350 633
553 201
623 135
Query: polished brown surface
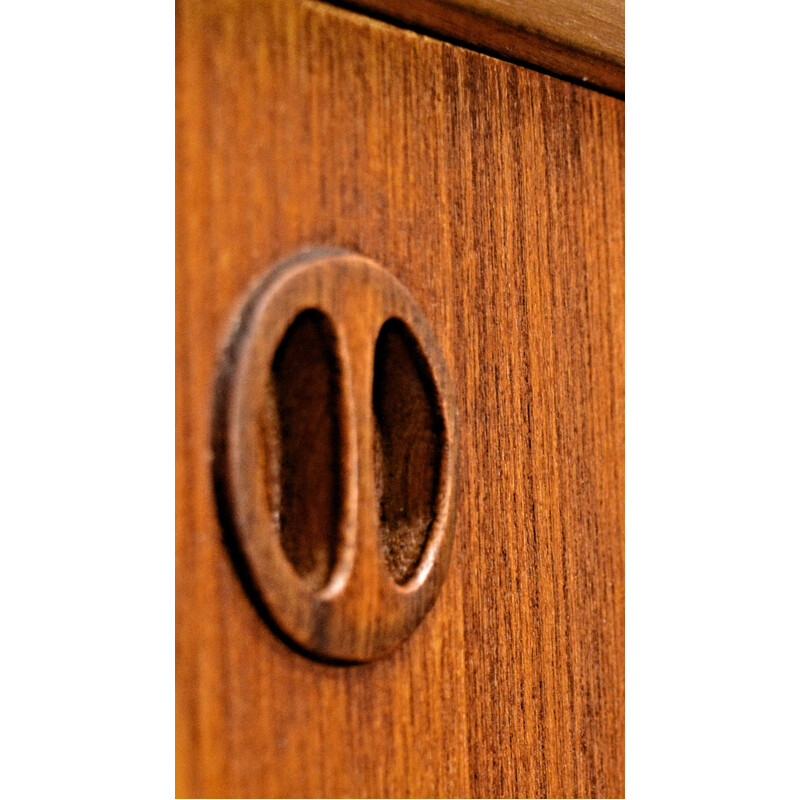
495 194
580 39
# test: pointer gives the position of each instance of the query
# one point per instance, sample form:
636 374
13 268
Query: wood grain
579 39
495 194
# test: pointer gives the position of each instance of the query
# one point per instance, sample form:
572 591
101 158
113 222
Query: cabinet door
494 193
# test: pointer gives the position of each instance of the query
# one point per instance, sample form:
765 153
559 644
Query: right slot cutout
409 446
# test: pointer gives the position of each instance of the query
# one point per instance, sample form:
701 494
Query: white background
87 332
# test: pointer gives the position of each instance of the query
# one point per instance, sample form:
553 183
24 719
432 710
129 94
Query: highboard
493 193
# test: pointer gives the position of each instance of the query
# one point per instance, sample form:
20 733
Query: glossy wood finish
579 39
335 448
495 194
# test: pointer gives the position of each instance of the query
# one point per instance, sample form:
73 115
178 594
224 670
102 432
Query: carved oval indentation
409 442
306 387
319 381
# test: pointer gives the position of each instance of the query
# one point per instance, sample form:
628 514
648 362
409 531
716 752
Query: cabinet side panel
495 194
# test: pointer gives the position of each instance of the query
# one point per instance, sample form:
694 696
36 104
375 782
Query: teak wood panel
581 39
495 194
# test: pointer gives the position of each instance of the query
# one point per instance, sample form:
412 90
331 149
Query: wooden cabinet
494 194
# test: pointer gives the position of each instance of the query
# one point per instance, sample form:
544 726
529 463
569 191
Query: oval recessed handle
335 450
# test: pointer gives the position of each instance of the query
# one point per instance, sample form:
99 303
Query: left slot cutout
306 387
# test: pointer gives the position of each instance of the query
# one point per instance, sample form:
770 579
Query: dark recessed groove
306 388
409 443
